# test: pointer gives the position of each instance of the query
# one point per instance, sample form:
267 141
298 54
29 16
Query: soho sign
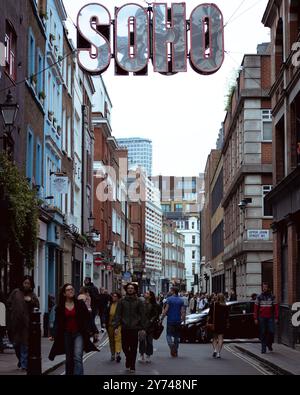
157 33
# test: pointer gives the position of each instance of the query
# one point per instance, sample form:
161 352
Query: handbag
157 329
211 327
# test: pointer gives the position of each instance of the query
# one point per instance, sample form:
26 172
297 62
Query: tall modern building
139 152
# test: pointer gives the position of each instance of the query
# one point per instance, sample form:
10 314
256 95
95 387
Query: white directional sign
259 235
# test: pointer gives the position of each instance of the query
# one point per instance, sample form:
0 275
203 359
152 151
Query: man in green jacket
130 315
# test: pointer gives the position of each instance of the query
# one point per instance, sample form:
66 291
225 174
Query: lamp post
91 221
9 110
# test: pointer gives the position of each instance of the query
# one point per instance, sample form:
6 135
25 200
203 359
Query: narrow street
194 359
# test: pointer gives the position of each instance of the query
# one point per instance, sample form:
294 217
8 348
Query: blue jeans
173 331
266 332
74 354
22 354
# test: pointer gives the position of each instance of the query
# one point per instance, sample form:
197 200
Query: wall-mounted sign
259 235
157 33
60 184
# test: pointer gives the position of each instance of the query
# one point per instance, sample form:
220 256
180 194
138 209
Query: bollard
34 345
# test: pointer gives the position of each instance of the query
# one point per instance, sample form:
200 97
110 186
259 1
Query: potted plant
43 15
58 129
42 95
54 121
33 80
51 38
50 115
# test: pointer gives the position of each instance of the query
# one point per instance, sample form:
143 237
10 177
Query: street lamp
91 220
8 111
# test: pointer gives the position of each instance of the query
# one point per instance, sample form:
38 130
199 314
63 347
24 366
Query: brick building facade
283 18
248 177
213 273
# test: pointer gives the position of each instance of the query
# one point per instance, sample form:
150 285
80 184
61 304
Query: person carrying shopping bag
152 312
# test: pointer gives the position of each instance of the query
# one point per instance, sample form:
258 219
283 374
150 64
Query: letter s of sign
95 58
296 316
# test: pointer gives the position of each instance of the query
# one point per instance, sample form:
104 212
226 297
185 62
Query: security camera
242 204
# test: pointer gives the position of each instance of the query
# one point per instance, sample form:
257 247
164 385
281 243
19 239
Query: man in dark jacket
94 294
103 302
266 315
130 315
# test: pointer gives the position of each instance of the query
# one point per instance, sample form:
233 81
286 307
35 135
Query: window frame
266 117
264 193
10 40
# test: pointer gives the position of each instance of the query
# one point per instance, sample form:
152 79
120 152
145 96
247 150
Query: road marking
251 362
91 353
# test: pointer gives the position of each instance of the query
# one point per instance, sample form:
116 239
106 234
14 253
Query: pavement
8 360
283 360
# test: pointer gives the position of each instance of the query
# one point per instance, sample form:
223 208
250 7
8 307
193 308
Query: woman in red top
71 336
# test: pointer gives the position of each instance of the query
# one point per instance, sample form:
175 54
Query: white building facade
190 229
153 237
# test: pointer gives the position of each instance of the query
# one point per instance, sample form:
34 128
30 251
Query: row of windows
187 225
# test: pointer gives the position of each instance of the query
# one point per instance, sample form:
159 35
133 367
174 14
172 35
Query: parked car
241 324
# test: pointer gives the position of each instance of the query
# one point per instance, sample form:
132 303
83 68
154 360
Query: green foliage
231 85
23 209
229 97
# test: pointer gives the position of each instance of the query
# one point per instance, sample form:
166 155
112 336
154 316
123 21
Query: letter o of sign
132 38
207 39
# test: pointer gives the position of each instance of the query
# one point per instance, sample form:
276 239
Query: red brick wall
266 72
266 224
266 153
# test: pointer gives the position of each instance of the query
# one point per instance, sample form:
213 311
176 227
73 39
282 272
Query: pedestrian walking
130 316
176 311
115 341
232 297
20 305
51 310
71 335
218 321
193 304
185 299
203 302
254 297
85 297
103 302
2 321
152 313
94 294
266 315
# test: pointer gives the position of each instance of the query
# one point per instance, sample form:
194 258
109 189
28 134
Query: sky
181 114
